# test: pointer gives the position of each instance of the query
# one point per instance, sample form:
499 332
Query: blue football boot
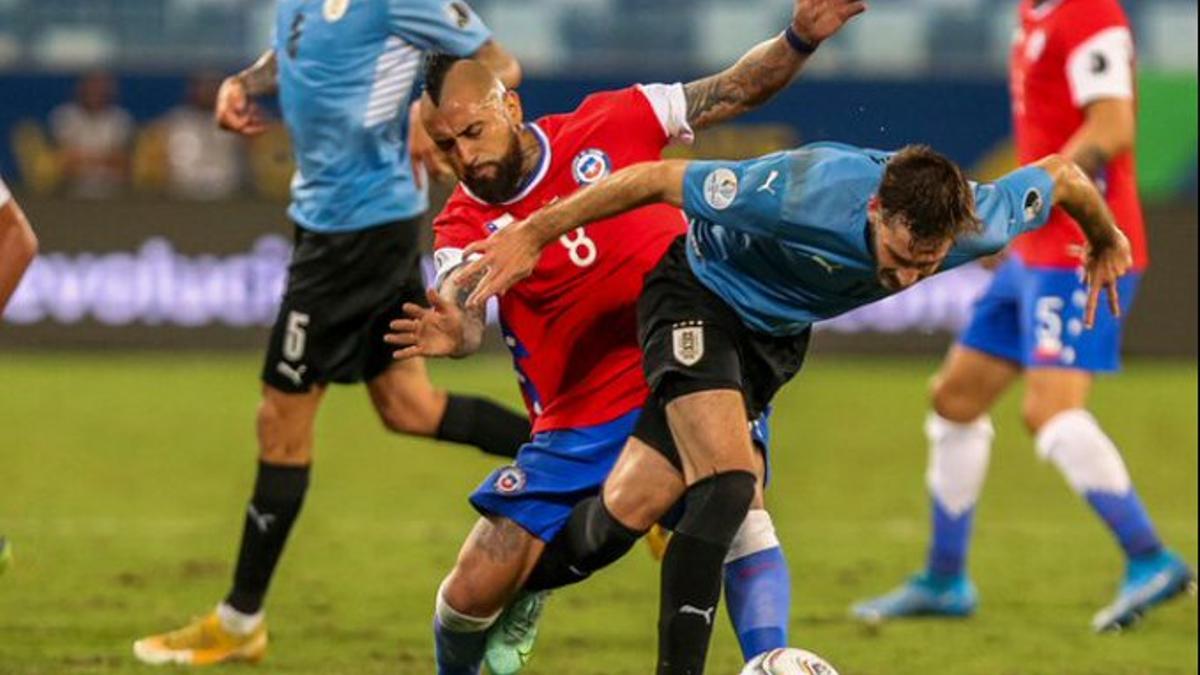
922 595
1149 580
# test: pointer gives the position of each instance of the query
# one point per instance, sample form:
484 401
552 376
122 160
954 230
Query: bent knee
417 413
955 400
283 436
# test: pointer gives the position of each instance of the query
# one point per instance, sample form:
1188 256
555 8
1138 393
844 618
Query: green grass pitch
123 479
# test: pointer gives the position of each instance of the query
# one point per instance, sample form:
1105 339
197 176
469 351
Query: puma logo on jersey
825 264
296 375
766 187
706 614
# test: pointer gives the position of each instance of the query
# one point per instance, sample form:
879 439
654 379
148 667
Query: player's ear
512 104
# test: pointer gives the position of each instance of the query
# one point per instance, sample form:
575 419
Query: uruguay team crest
720 188
687 342
334 10
510 481
590 166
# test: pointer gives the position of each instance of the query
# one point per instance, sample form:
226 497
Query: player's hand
1103 266
816 20
427 160
503 259
432 332
236 111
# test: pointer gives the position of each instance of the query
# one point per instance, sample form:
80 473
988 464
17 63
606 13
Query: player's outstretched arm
446 328
1108 253
510 254
18 246
236 110
768 67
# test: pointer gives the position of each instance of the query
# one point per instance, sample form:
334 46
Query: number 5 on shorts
294 337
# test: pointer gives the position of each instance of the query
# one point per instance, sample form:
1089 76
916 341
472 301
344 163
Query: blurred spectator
203 162
93 136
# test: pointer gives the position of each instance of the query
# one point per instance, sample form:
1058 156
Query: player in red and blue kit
1073 93
572 329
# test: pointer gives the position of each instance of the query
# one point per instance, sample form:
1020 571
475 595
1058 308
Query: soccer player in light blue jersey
347 76
774 245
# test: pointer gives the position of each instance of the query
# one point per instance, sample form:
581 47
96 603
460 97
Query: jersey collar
534 179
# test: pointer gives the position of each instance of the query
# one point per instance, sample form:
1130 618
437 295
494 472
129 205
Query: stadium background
128 358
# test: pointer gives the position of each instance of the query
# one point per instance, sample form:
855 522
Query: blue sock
758 590
951 537
1128 521
458 653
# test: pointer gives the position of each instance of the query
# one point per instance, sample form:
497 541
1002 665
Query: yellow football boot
203 642
657 539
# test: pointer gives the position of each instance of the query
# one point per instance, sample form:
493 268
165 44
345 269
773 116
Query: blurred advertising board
138 273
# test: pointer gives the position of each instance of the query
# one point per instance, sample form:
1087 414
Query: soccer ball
788 661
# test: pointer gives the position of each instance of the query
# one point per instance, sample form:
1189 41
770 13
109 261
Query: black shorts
342 291
693 341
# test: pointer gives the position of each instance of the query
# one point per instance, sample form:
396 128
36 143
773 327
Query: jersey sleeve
5 195
1099 51
747 196
670 109
449 26
1017 203
455 228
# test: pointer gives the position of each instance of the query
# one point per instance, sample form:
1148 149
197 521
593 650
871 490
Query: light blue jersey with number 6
348 70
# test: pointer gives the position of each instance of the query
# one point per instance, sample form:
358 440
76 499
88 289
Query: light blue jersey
784 238
347 74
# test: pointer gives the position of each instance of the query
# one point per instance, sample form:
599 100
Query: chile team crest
590 166
510 480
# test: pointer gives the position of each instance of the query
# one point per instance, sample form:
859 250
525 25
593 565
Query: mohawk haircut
436 66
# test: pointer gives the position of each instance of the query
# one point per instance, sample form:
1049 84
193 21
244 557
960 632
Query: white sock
455 621
1074 442
958 460
757 533
237 622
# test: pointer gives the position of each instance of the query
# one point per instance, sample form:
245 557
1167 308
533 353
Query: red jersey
1069 53
572 324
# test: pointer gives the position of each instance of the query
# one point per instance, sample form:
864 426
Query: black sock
278 495
490 427
688 599
691 569
590 540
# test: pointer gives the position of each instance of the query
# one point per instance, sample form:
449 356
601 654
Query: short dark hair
436 66
930 193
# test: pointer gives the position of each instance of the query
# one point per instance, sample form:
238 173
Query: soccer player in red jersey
572 329
18 245
1073 93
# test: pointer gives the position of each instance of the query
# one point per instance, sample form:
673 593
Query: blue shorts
559 468
1033 316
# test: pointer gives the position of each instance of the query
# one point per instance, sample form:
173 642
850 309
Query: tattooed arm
236 110
448 327
769 66
1108 130
1108 253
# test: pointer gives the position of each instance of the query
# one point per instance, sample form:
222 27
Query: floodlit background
129 356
